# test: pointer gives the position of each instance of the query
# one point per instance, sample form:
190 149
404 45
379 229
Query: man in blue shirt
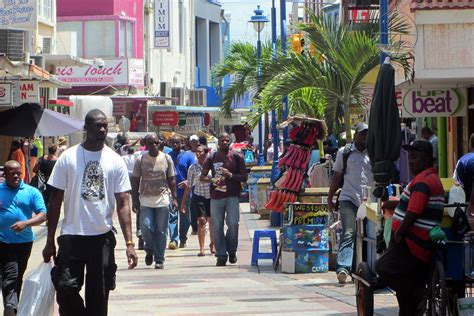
18 201
184 161
464 174
175 143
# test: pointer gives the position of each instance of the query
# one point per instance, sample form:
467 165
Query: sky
242 10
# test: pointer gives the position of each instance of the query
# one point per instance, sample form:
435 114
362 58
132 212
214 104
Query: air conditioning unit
197 97
165 91
37 60
47 45
179 94
12 44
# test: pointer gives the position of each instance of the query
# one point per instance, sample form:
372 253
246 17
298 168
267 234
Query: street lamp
258 21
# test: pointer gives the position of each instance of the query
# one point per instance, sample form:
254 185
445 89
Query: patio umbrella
384 138
30 119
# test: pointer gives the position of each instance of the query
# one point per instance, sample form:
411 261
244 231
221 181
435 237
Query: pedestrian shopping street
192 285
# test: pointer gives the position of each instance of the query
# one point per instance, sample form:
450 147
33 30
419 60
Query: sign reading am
434 102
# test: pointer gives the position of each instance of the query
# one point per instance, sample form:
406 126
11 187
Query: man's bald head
92 115
11 164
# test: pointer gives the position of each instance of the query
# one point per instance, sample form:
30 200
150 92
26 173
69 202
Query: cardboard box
305 261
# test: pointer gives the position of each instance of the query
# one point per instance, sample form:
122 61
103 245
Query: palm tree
345 55
241 65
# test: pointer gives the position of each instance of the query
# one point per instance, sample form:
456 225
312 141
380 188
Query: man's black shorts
201 205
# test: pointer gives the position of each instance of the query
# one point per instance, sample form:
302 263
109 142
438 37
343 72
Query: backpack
249 156
346 152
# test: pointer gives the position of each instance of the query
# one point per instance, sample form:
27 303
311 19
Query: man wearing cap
62 145
405 265
351 170
183 162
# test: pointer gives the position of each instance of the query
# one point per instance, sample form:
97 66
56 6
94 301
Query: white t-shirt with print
90 179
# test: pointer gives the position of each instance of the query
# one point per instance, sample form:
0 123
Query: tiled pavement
191 285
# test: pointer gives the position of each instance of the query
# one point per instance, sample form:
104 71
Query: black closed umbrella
384 138
31 119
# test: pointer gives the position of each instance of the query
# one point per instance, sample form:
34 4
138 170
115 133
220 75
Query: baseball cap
420 145
361 127
194 137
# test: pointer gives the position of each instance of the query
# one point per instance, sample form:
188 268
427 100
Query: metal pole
283 48
276 136
442 146
261 157
383 26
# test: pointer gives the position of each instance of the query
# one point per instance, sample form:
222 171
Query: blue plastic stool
256 242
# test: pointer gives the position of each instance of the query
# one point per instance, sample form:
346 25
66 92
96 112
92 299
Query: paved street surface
192 285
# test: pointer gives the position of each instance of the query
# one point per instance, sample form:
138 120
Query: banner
162 24
18 14
25 92
434 102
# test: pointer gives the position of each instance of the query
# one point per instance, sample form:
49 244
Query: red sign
165 118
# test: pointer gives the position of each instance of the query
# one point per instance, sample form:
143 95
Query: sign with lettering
5 94
162 37
194 123
18 14
25 92
162 118
113 72
434 102
305 214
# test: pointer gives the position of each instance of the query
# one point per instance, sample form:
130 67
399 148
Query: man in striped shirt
405 265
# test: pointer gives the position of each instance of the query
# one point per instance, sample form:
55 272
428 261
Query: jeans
9 275
95 254
22 252
184 222
347 213
228 209
154 221
173 226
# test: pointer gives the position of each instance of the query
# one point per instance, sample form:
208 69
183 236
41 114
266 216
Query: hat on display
194 137
419 145
62 140
361 127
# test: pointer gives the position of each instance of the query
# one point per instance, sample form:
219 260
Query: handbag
39 181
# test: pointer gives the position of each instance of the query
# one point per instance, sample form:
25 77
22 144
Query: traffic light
297 43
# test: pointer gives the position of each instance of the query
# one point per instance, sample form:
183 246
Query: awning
65 60
429 83
60 102
132 98
184 108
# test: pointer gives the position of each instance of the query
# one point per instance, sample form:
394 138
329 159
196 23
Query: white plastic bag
456 195
37 296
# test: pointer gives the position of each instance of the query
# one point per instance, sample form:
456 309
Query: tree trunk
347 124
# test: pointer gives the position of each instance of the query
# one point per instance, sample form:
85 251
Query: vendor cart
450 272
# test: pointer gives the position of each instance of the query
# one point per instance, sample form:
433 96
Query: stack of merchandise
293 163
305 239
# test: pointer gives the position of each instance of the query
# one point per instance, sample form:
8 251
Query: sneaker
148 259
233 258
182 244
221 262
159 265
342 277
172 245
141 243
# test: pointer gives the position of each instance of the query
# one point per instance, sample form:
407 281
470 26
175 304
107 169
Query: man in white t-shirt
92 179
153 182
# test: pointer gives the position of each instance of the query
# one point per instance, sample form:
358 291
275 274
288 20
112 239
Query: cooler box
305 237
255 174
314 261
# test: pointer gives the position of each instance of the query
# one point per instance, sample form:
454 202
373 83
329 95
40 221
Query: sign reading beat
433 102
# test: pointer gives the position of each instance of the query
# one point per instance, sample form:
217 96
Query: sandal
201 254
212 249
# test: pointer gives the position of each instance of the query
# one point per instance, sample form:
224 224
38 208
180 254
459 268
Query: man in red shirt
405 265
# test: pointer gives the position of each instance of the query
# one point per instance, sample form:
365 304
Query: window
126 39
73 27
130 39
100 38
122 41
46 9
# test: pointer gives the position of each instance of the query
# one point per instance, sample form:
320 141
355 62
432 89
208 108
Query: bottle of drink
456 195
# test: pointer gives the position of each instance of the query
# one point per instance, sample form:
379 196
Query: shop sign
162 24
25 92
18 14
162 118
5 94
305 214
119 109
434 102
193 123
113 72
